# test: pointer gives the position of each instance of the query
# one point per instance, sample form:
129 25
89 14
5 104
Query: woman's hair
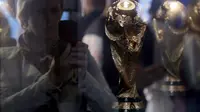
24 8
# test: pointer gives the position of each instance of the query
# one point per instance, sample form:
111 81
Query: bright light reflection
174 5
126 4
12 21
1 2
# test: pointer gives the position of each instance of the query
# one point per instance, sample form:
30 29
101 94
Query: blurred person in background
35 78
99 46
90 10
6 38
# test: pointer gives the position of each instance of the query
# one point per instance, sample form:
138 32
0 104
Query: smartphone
68 31
65 16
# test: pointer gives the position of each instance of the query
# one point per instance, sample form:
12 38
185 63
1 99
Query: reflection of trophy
125 30
193 79
194 13
170 25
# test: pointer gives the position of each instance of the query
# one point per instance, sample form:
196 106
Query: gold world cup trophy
126 29
171 24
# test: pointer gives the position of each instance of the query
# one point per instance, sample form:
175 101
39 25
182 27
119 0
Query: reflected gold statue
177 32
170 26
125 29
194 16
193 79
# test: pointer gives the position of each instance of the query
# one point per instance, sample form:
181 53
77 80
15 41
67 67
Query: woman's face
44 18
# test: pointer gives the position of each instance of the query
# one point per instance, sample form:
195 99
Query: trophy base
129 101
129 110
174 86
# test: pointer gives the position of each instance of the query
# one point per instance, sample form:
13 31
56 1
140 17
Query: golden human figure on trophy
193 77
170 26
175 25
126 29
177 31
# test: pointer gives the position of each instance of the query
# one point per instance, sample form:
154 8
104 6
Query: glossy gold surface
125 29
175 16
128 105
126 5
170 25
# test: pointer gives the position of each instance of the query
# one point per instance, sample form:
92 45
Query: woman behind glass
28 82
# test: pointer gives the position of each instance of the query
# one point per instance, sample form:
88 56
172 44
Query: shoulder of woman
9 52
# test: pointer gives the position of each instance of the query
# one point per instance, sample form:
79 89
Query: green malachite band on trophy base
129 110
174 87
129 104
175 83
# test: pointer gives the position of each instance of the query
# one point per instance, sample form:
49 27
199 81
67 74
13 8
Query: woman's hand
73 58
77 58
